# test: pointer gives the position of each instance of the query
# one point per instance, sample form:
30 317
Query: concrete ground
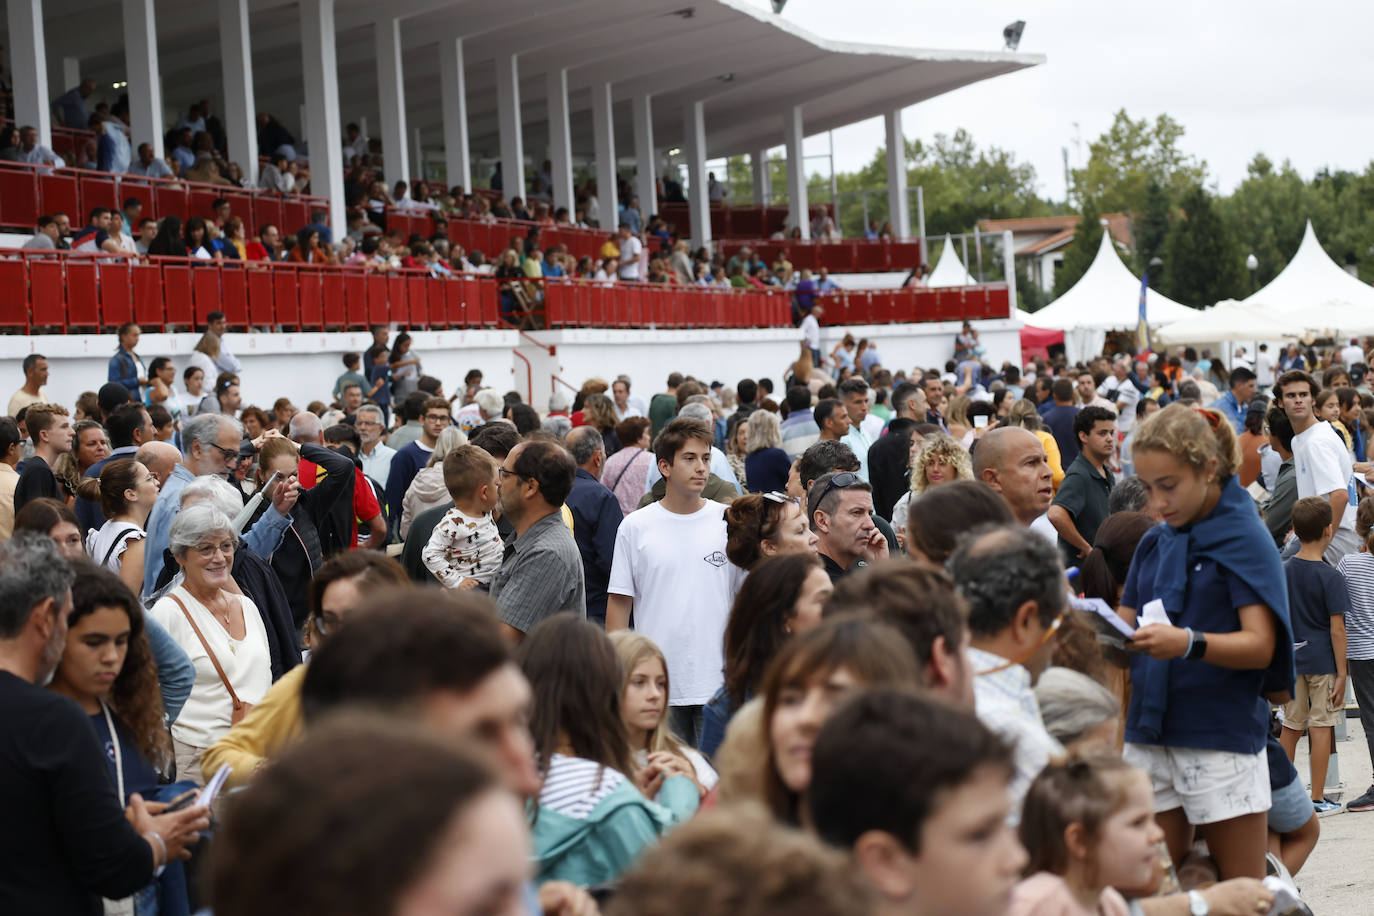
1336 878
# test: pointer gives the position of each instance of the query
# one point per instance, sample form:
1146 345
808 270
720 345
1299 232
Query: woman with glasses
221 631
126 490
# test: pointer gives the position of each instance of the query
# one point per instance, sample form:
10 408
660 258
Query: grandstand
573 108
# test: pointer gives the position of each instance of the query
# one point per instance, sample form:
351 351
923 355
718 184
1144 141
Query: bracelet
154 835
1189 651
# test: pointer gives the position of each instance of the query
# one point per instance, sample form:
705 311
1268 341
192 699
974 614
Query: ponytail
1193 435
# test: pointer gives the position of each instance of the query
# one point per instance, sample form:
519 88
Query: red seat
261 312
201 202
205 290
233 285
171 200
97 190
57 194
147 295
332 294
18 196
870 256
377 312
83 294
903 255
266 209
927 306
286 296
310 293
355 300
48 293
176 293
116 293
420 292
295 214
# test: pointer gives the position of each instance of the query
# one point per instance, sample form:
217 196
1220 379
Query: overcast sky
1289 80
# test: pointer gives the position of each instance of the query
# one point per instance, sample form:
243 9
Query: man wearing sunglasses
1016 595
840 507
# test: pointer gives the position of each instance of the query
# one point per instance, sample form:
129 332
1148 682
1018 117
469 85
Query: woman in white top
203 358
126 490
220 630
194 379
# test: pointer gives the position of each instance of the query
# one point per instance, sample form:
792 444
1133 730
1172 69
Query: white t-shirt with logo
1322 465
674 567
629 258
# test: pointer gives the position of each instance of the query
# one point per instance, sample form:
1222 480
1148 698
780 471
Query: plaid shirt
541 575
1005 703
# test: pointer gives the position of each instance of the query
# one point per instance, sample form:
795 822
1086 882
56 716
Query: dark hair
998 568
122 422
525 418
941 515
822 457
821 497
115 477
855 385
352 360
190 371
449 640
748 391
339 434
1061 389
390 797
413 407
32 359
1080 791
43 514
1105 568
1293 376
466 468
887 759
824 410
903 394
1087 418
134 697
749 521
798 397
918 602
574 673
496 439
9 435
1239 376
630 429
872 653
1280 427
1311 516
371 568
757 627
673 437
549 465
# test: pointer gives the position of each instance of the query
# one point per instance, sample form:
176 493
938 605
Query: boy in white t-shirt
1321 463
465 549
670 568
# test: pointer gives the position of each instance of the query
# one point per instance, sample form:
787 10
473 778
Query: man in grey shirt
542 573
1283 490
45 239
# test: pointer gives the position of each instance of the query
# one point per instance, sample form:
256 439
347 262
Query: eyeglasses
206 551
501 470
838 482
438 418
229 454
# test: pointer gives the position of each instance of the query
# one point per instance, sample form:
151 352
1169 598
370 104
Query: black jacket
888 459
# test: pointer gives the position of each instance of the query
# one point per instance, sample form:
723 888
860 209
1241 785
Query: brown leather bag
240 708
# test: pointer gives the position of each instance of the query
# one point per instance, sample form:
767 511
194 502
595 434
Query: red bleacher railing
493 236
44 292
735 221
839 256
28 191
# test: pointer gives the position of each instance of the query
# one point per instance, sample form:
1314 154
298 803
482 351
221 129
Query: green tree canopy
1203 262
1128 157
1078 257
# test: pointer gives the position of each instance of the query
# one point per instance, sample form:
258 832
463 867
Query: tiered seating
844 256
42 292
27 191
491 237
733 222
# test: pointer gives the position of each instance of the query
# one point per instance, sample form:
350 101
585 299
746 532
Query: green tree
1149 229
1203 262
1078 257
1124 160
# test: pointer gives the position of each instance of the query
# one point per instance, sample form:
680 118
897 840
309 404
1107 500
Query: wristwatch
1199 649
1197 904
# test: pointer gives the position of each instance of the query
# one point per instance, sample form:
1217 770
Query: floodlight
778 5
1011 33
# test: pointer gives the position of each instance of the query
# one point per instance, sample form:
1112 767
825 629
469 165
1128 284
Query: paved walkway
1337 878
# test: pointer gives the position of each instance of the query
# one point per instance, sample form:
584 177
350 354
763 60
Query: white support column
453 94
141 68
560 141
508 124
418 151
646 166
320 68
240 110
799 213
71 73
29 60
1009 271
763 190
898 211
603 144
391 94
694 130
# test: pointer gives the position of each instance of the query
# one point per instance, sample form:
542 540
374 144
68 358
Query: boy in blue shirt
379 382
1318 601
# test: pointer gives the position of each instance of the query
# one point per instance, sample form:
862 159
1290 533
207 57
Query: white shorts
1210 786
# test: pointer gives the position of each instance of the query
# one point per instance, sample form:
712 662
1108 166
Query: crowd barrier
77 293
28 191
491 237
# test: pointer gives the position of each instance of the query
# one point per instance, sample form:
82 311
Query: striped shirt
1358 569
574 787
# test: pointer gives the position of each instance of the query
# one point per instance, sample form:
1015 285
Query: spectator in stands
275 176
319 221
355 144
64 230
715 191
35 153
113 151
307 249
182 156
150 165
274 139
630 247
95 236
147 231
45 239
70 106
268 244
9 145
232 245
168 240
197 240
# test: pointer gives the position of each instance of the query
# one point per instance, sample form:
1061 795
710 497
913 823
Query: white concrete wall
303 366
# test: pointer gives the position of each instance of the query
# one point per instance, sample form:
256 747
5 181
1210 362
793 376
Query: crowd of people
949 640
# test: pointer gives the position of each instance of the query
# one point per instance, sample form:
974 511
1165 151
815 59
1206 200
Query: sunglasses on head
838 482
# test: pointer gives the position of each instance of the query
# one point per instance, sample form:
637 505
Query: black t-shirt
65 841
36 480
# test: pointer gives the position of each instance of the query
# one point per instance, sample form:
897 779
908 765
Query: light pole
1252 265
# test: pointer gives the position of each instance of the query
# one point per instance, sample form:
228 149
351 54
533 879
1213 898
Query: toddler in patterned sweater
465 549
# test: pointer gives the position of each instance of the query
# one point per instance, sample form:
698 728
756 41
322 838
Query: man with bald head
1012 461
159 458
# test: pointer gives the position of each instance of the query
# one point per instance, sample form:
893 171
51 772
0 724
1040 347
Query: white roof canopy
1228 320
950 269
1312 281
1107 298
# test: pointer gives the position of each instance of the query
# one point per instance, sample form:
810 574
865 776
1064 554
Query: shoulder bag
240 708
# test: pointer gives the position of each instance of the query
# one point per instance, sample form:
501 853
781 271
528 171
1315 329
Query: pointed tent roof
949 270
1107 298
1312 279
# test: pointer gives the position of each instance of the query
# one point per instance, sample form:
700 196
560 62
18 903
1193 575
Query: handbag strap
208 651
119 539
623 468
119 757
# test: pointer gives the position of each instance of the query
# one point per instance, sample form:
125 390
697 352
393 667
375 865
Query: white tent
1105 298
949 270
1229 321
1315 290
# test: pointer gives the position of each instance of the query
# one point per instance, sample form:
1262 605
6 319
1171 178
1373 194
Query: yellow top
269 726
1052 453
